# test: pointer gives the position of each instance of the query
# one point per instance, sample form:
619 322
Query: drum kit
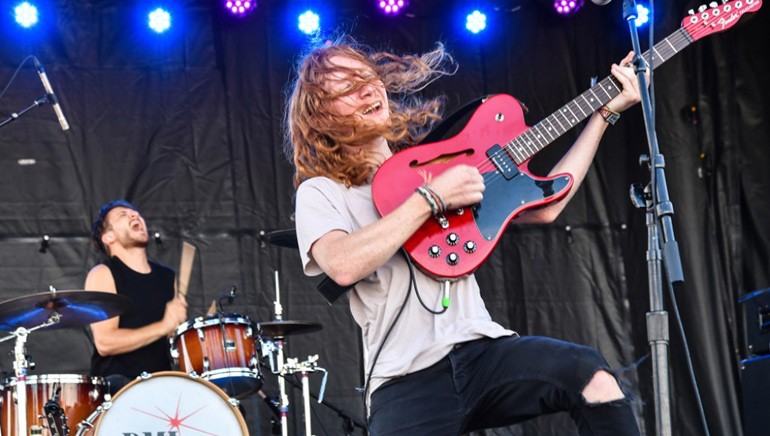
219 358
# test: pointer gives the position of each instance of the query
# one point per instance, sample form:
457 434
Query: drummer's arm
110 339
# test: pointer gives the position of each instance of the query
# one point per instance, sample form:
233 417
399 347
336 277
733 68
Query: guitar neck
539 136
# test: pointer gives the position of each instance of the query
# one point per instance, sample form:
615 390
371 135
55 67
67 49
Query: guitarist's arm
578 158
349 257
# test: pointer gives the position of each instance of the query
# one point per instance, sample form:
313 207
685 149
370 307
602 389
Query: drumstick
212 308
185 267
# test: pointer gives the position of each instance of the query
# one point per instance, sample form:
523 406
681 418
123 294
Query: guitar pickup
503 162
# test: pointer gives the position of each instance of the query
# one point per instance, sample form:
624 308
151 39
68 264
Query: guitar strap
452 124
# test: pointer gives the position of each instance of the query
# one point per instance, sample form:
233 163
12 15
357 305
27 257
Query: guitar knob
452 239
469 247
434 251
452 258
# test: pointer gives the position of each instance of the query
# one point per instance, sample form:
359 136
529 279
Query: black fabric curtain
188 126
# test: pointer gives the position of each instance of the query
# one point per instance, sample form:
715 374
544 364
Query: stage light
240 7
159 20
476 22
391 7
567 7
26 14
309 22
642 15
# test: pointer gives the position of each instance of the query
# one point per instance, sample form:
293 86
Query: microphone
51 96
229 296
601 2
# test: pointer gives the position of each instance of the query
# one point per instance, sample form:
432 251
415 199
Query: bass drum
79 396
167 402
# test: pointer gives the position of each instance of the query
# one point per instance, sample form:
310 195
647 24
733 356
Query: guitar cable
363 390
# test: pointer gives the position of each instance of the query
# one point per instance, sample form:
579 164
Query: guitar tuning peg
713 4
702 8
691 12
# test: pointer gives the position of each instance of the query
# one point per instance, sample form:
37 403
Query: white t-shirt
419 338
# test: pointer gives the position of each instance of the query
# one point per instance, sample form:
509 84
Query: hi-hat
281 328
75 309
282 237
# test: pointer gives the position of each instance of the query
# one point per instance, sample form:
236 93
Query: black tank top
149 294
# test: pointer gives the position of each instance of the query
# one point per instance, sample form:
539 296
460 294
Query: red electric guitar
497 141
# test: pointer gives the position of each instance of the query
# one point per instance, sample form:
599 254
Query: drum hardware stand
310 365
20 364
284 403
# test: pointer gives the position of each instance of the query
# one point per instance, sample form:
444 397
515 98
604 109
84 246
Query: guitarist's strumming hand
459 186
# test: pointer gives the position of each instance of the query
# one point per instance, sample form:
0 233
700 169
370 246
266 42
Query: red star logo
176 422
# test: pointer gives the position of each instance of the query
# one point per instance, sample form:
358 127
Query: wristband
608 114
429 198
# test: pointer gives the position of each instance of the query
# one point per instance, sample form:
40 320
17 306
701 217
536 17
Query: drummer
137 340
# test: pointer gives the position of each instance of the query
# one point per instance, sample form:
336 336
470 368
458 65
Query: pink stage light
240 7
391 7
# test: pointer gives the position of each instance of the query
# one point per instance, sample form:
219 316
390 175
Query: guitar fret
588 102
591 90
539 135
560 124
571 122
581 109
548 129
520 154
609 97
672 45
655 51
532 147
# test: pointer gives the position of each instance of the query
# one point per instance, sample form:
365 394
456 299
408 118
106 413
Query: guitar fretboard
537 137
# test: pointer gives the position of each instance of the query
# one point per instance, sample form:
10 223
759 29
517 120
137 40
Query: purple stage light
567 7
240 7
391 7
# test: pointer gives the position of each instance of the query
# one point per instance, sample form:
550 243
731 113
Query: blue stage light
642 15
159 20
476 22
309 22
26 14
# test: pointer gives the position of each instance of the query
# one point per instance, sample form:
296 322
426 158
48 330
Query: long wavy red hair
317 138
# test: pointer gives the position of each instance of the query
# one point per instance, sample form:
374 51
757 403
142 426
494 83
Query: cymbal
280 328
282 237
77 308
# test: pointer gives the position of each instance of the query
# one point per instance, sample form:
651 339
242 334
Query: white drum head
171 402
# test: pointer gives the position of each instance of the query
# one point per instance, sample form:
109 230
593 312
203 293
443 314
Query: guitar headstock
717 17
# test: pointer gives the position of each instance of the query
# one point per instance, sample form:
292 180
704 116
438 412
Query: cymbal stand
310 365
284 406
20 365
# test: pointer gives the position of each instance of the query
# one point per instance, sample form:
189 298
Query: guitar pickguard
502 195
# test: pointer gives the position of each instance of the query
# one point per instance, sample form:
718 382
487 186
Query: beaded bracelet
436 196
429 198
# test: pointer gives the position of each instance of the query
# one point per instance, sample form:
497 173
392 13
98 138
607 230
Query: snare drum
222 350
167 403
79 397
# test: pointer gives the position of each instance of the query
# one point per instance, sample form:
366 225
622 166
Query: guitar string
677 37
487 164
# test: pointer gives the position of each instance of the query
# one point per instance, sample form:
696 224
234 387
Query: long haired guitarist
437 363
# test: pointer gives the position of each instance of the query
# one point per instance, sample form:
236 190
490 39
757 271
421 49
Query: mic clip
229 296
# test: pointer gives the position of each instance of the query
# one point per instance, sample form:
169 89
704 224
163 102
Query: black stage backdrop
188 127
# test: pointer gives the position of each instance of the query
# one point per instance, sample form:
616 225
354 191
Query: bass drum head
171 403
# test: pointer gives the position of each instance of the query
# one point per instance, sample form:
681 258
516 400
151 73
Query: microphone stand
658 220
16 115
